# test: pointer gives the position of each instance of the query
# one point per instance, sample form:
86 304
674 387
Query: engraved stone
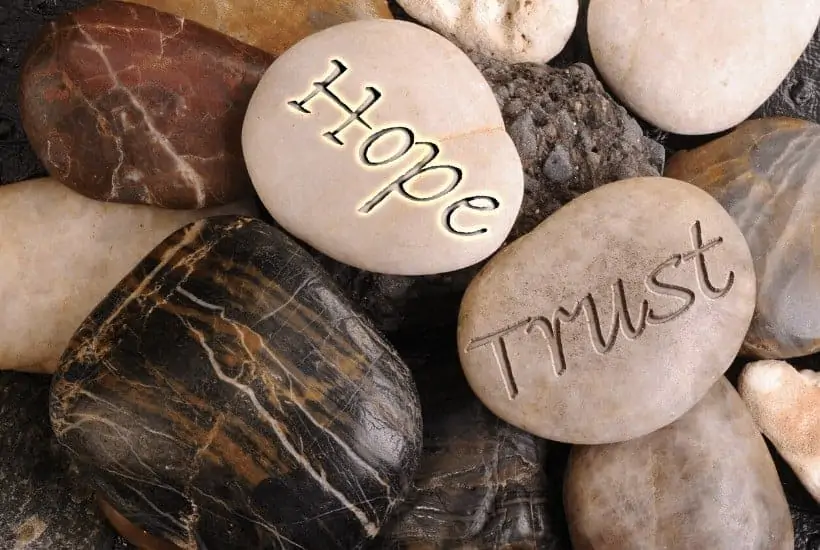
698 66
61 253
766 174
613 317
127 104
785 404
370 141
705 481
225 395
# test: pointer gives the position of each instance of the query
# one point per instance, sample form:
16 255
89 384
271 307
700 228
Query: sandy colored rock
61 254
508 30
785 404
271 25
705 481
698 66
370 140
563 329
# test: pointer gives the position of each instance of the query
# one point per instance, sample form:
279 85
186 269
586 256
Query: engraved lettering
502 358
697 254
480 203
666 289
364 150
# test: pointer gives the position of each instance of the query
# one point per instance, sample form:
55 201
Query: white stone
698 66
422 103
61 254
515 31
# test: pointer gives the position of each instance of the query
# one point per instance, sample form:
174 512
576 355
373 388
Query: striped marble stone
226 396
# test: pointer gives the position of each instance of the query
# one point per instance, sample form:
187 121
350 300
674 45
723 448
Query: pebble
404 184
564 327
240 379
705 481
785 404
509 30
123 103
698 66
61 254
766 174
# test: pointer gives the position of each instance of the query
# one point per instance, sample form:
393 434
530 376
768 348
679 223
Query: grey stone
558 166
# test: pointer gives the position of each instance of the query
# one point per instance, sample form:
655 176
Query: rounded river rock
225 395
613 317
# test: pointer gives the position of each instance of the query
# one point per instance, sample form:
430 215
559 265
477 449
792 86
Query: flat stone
600 303
272 25
123 103
785 405
241 379
698 66
766 174
61 254
508 30
404 185
705 481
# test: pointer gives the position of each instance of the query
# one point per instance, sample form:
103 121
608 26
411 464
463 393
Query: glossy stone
766 174
272 25
225 395
126 104
601 303
61 253
705 481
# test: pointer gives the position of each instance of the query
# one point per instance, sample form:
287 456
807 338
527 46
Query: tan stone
785 404
61 254
271 25
613 317
421 179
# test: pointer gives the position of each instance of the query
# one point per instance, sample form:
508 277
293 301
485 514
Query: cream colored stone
604 323
61 254
515 31
444 182
698 66
785 404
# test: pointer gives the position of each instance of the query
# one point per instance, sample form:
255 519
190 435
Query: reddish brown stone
124 103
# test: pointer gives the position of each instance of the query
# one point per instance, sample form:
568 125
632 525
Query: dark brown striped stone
226 396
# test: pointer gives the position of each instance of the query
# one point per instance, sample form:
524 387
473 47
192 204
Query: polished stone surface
226 395
126 104
705 481
643 287
766 174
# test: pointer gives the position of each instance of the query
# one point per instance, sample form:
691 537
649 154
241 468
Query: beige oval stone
785 404
380 144
613 317
698 66
61 254
707 481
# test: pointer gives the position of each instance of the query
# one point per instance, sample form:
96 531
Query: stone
271 25
261 385
359 142
61 254
564 327
131 532
766 174
126 104
698 66
509 30
785 405
705 481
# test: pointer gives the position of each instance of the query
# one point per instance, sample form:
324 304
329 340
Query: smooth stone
509 30
123 103
601 303
785 405
136 536
698 66
402 186
240 379
272 25
766 174
61 254
705 481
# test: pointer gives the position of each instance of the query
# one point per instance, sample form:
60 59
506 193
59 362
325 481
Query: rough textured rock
123 103
226 376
